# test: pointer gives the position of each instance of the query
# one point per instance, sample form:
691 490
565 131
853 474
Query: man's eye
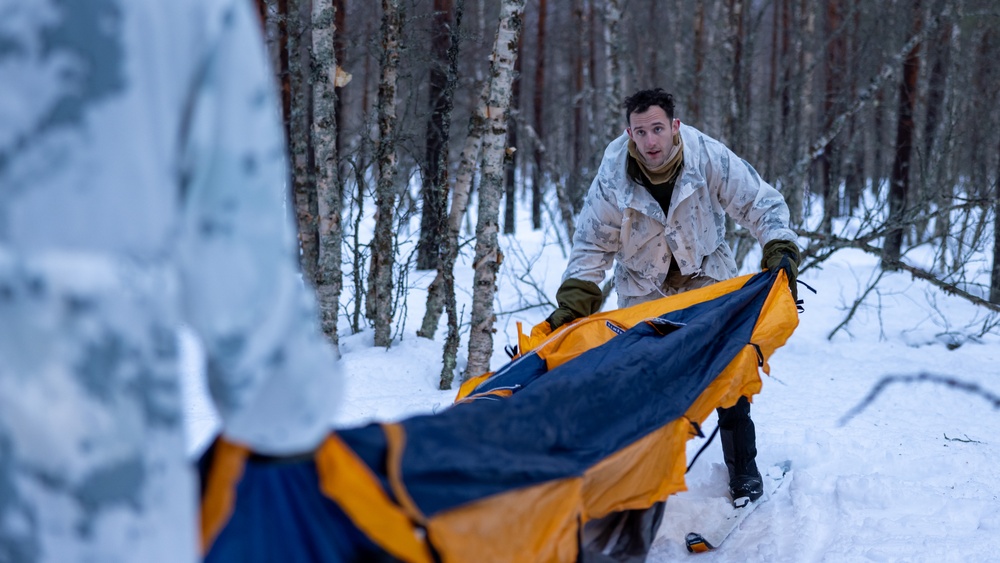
658 129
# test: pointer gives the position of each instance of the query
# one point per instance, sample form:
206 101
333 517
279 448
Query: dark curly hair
644 99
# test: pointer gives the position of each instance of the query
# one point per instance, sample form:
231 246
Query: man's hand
774 251
576 298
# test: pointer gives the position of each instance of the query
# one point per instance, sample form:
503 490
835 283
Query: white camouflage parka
142 188
621 222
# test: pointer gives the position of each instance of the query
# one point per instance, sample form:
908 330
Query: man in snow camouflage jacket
142 188
657 209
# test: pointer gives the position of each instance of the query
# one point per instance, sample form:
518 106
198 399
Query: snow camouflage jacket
620 221
142 187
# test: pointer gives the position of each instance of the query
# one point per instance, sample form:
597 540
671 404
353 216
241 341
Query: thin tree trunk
488 255
899 185
995 274
933 158
300 119
615 92
538 102
772 93
324 141
735 124
575 192
791 125
854 167
595 107
441 291
434 193
829 160
339 53
510 165
262 13
649 52
358 257
736 121
699 62
944 174
284 73
380 274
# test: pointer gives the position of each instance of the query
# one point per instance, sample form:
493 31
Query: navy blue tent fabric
571 418
280 516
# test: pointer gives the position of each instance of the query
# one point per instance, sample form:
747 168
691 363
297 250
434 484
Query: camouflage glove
576 298
774 251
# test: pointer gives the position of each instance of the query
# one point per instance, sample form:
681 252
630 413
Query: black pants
739 440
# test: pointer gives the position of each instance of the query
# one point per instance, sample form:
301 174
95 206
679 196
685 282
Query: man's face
653 134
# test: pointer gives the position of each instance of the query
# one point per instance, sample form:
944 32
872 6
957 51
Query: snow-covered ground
913 477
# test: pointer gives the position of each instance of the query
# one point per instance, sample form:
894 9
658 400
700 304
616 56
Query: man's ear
675 127
629 131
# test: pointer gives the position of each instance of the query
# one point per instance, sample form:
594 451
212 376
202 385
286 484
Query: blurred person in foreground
657 209
142 186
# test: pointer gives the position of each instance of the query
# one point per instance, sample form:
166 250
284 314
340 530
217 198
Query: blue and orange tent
587 424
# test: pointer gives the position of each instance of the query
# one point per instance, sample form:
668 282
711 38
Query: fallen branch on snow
947 381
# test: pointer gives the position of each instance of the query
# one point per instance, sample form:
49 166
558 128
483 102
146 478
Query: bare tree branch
832 243
857 303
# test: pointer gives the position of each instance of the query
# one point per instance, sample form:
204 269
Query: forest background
879 116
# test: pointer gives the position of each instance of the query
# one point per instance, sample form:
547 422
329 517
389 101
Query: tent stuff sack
566 453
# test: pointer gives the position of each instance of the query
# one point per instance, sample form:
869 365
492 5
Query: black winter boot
739 449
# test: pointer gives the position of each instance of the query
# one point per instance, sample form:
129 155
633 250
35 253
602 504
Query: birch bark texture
488 255
383 248
442 290
329 277
299 133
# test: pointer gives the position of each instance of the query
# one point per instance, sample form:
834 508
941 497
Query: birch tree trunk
299 133
383 248
488 255
329 278
442 290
